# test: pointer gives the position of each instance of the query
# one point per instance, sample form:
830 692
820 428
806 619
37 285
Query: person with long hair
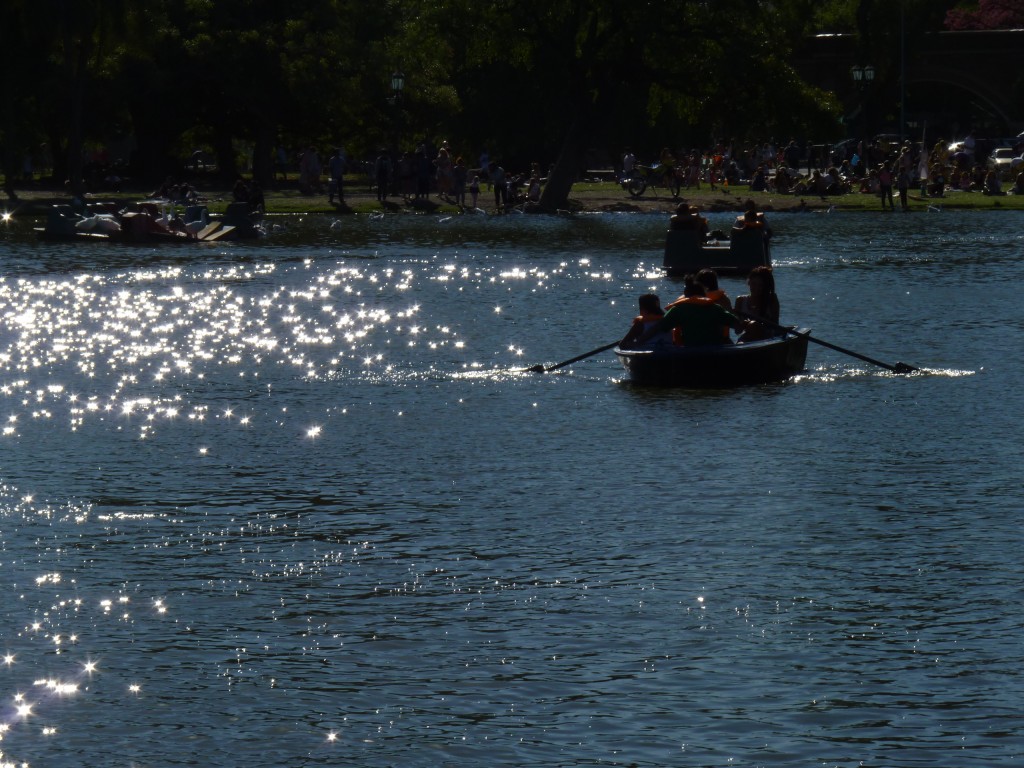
760 304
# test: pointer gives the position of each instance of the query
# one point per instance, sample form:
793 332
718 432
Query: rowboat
686 253
717 366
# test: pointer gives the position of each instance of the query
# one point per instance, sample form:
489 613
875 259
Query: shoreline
587 197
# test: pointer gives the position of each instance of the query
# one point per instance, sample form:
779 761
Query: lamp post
395 99
397 86
863 76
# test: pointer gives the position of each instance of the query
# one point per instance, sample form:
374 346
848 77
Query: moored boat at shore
717 366
154 221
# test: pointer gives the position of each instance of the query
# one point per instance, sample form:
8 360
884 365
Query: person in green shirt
695 320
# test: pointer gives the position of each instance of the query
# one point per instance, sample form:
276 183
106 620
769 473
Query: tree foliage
553 81
987 14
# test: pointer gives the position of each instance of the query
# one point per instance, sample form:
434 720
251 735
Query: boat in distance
718 366
686 253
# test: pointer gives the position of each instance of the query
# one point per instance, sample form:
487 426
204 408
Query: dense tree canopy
559 82
987 14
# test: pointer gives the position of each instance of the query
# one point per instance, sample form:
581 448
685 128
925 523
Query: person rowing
650 315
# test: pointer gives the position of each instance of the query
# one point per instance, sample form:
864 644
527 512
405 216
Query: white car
1003 161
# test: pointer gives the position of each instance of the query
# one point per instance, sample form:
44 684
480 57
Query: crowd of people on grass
886 169
417 175
874 167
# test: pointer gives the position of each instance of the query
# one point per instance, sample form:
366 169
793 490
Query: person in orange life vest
708 279
761 302
748 221
650 314
698 319
751 218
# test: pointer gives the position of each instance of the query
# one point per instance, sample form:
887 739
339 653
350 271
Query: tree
78 35
20 52
719 66
987 14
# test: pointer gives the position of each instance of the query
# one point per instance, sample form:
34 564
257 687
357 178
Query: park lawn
587 196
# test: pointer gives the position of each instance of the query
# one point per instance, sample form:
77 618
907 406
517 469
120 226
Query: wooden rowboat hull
718 366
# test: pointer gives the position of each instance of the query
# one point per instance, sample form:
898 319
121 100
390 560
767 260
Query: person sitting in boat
681 218
697 319
751 218
650 314
688 217
760 304
708 280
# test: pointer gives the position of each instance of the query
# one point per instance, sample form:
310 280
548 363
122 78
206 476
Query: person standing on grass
885 185
336 167
500 182
903 187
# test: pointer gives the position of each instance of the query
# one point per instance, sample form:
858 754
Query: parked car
1003 161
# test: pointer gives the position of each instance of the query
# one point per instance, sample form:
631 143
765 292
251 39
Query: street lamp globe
397 82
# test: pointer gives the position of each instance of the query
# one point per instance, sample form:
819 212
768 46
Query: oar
541 369
898 368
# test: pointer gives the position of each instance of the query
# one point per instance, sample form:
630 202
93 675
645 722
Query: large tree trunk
224 149
78 73
568 166
262 168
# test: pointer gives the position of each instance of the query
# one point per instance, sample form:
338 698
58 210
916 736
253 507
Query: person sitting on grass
1018 185
992 184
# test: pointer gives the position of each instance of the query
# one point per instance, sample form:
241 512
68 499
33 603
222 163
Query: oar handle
898 368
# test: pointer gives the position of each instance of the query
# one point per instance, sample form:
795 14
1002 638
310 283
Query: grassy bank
585 197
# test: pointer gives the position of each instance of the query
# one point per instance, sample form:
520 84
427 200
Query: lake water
290 503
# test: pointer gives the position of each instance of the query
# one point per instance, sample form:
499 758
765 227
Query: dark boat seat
747 250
